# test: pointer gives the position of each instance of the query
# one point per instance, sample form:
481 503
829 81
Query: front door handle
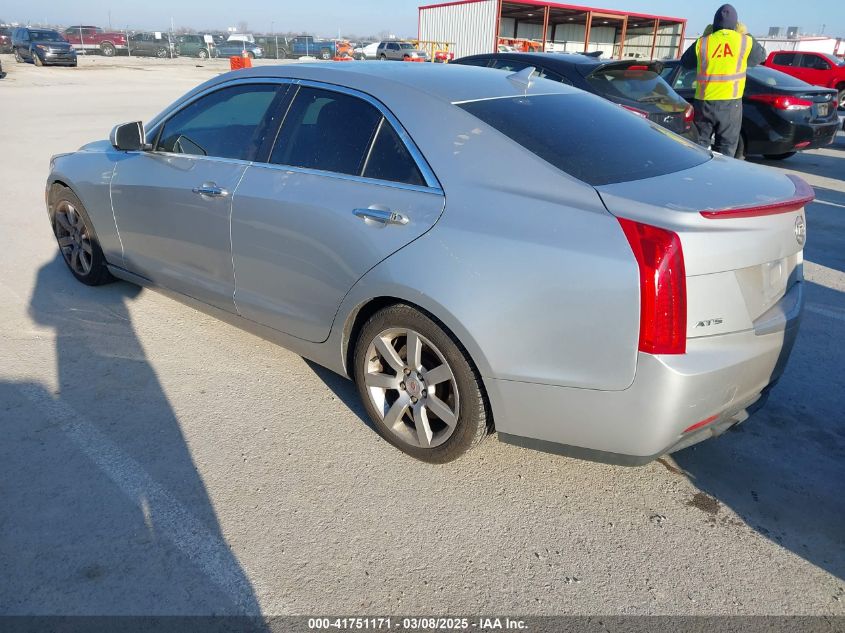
210 189
382 216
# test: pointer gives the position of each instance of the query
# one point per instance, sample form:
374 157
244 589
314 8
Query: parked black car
5 39
147 44
43 47
780 114
635 85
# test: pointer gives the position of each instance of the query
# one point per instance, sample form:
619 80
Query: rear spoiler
803 196
650 65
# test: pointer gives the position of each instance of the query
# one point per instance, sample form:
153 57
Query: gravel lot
157 461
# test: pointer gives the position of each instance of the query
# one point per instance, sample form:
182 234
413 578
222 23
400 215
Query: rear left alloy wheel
76 238
418 385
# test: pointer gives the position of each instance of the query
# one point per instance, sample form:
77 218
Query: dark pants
722 119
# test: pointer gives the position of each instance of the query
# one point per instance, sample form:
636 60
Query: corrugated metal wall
471 26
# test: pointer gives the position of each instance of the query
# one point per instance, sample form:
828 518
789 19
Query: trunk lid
741 228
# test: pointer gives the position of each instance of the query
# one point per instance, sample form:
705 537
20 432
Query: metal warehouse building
480 26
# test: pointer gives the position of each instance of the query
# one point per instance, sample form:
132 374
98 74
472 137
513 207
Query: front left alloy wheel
76 239
418 385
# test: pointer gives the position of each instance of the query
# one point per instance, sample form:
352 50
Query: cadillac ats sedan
479 251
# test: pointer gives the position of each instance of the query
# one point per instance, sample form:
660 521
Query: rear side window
389 159
642 86
514 67
588 137
228 123
774 78
326 130
784 59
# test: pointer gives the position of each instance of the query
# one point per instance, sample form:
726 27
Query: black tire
18 57
382 58
37 60
474 421
107 49
250 54
161 53
779 156
202 54
325 54
841 98
98 274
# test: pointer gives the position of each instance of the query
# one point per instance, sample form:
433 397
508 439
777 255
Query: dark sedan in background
635 85
781 114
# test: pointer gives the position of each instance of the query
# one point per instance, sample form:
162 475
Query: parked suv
147 44
819 69
194 45
401 51
233 48
94 39
42 47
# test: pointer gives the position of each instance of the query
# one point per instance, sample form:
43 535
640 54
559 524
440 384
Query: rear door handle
382 216
211 190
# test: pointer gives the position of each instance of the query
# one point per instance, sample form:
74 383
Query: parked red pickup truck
819 69
93 39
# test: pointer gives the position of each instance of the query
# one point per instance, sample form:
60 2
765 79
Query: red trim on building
557 5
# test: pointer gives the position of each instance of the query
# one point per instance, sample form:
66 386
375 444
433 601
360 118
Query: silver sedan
478 251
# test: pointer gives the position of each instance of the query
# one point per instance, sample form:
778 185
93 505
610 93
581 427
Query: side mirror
128 137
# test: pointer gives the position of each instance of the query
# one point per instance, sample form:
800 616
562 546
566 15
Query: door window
814 62
228 123
784 59
326 130
337 132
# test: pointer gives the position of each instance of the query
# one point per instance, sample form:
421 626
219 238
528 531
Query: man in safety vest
721 58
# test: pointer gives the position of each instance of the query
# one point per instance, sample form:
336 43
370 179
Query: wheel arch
362 312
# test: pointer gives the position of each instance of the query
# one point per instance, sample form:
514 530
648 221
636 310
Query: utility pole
109 19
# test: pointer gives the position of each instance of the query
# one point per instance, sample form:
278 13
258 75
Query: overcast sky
367 17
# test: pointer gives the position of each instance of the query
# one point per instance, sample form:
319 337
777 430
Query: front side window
336 132
228 123
814 62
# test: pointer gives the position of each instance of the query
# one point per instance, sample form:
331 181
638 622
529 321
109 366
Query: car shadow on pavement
782 470
344 389
105 512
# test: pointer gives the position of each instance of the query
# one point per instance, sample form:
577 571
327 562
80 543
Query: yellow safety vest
722 62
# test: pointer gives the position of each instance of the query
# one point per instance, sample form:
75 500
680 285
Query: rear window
642 86
774 78
589 138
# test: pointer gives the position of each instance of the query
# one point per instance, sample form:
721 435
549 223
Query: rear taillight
636 111
689 114
783 102
663 288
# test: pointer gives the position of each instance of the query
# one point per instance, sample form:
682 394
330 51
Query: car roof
573 59
445 82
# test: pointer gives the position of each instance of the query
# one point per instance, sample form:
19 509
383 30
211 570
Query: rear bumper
785 139
726 376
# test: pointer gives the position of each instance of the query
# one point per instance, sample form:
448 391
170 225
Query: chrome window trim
349 177
432 183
